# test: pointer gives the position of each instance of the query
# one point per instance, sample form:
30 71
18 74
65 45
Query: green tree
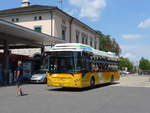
144 64
109 44
116 48
125 63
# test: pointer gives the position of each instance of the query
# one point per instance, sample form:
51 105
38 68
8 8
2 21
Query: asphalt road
103 99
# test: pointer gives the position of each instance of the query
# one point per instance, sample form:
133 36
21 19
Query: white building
51 21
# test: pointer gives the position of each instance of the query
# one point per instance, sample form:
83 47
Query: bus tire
92 82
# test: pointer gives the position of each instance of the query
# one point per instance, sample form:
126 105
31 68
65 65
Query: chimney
25 3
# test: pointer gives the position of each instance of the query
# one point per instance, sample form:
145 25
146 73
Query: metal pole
61 3
42 49
6 63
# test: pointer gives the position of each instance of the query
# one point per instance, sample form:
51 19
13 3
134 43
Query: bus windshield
64 62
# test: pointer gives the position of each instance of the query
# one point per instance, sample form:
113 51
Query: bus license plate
61 84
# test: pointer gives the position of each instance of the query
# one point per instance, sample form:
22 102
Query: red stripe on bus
80 73
64 73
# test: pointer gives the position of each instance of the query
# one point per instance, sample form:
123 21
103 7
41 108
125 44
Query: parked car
124 73
40 76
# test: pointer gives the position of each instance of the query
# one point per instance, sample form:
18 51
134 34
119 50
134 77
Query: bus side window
99 67
92 67
107 67
103 67
96 67
87 64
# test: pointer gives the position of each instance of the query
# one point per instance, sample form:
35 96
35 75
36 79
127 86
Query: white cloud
130 55
135 52
127 47
132 36
130 52
144 24
89 8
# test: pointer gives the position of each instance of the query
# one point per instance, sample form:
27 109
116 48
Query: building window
83 37
17 19
12 19
91 41
38 29
63 32
82 40
86 39
35 18
95 43
77 36
40 17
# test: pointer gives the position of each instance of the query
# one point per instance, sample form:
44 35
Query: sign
27 70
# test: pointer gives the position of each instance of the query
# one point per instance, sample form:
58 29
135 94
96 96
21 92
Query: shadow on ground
80 89
25 94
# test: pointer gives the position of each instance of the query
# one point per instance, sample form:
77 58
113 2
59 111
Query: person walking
19 78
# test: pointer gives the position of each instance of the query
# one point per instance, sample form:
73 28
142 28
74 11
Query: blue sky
128 21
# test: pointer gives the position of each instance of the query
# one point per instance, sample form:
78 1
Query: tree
115 47
125 63
109 44
144 64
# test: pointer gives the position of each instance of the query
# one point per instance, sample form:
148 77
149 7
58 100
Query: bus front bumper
71 83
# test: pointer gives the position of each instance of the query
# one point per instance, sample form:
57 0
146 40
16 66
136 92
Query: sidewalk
135 81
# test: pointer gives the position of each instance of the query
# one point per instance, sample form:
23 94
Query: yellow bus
77 65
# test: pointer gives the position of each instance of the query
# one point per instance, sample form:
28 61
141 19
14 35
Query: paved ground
135 80
103 99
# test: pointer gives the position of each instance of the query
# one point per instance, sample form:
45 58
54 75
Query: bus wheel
112 79
92 82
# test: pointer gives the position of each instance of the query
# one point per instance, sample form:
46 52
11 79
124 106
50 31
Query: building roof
26 9
33 8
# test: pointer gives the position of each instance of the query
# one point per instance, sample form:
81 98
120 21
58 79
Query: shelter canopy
22 37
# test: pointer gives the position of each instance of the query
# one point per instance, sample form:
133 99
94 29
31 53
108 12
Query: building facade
51 21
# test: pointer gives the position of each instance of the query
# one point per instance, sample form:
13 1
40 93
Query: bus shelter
13 36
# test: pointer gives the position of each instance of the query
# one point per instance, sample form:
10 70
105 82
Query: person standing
19 78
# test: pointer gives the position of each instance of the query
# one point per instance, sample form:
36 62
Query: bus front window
63 62
61 65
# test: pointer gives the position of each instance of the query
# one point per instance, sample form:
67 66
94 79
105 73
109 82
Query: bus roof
82 47
72 46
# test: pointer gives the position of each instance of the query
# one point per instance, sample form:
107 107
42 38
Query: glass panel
61 65
64 62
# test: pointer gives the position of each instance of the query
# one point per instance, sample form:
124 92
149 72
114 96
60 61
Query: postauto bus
77 65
